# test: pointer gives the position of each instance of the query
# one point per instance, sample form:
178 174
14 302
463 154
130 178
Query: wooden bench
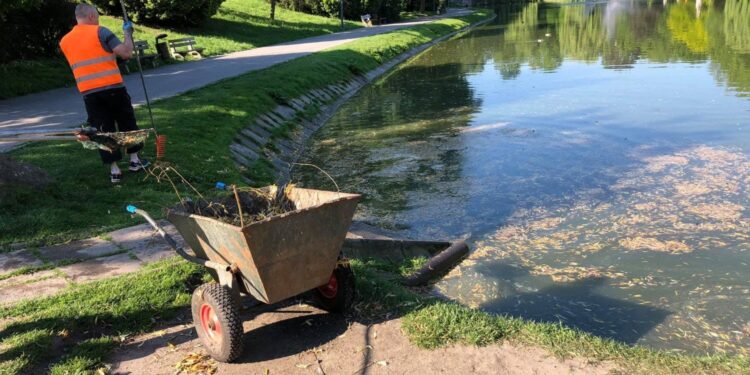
140 47
189 48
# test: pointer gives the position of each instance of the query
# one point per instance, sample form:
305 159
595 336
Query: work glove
127 27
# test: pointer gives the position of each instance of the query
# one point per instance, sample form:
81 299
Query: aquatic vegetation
597 166
687 202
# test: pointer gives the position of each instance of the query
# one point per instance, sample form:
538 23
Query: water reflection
595 155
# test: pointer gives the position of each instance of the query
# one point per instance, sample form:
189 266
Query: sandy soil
300 339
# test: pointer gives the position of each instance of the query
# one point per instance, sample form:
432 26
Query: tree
273 9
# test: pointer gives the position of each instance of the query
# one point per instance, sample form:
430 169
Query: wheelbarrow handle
173 244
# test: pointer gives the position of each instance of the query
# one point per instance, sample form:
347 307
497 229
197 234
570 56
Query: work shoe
115 177
137 166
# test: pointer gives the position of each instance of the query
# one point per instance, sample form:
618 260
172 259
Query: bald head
86 14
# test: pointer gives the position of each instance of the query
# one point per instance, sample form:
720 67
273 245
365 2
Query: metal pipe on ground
439 264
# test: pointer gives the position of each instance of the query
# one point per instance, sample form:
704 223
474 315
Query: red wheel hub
331 289
210 322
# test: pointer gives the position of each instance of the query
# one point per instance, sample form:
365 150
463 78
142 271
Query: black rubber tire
226 346
343 299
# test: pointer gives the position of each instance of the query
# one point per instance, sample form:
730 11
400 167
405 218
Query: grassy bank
200 125
431 323
74 332
239 25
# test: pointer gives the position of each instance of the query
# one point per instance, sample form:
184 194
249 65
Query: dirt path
300 339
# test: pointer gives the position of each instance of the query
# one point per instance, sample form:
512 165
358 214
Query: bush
429 5
163 12
353 9
33 28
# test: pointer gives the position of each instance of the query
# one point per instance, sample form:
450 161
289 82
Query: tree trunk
422 5
273 9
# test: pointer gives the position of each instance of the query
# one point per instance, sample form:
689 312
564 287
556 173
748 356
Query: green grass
409 16
200 126
74 332
433 323
239 25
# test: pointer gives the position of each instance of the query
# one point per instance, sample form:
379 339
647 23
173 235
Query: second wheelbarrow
269 260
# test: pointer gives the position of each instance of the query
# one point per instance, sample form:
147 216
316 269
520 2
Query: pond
595 156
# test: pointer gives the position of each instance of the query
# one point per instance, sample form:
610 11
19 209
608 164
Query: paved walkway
64 108
51 269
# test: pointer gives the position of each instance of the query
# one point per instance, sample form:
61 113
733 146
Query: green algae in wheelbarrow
254 205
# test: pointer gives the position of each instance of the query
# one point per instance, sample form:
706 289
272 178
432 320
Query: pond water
596 157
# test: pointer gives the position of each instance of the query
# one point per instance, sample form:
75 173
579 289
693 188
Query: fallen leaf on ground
366 347
196 364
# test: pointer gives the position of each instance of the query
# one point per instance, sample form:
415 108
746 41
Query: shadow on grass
48 341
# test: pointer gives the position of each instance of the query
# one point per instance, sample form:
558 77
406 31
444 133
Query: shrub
163 12
33 28
353 9
429 5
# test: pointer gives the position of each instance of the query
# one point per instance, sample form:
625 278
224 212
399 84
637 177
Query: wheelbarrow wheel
217 321
338 294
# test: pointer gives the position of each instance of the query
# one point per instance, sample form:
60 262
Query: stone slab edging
256 142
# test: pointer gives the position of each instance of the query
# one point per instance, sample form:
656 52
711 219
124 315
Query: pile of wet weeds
243 206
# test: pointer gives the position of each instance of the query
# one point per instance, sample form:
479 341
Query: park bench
139 47
184 47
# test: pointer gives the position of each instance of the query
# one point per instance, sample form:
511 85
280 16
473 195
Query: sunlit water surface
595 157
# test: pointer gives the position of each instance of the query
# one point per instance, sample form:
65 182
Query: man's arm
111 43
125 50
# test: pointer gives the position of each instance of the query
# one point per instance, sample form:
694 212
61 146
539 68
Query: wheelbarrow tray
283 255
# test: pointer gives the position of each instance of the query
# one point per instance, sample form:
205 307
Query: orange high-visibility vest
93 67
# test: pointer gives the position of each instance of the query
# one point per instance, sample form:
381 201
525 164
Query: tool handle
173 244
124 12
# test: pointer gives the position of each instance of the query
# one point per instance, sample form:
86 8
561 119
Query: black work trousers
110 111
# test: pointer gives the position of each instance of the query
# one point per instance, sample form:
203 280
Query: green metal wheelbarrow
269 260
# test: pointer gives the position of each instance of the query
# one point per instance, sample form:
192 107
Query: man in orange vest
91 51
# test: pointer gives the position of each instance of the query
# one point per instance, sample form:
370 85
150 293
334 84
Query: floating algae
662 239
254 205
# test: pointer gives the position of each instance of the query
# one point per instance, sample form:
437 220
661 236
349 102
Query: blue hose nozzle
130 208
221 186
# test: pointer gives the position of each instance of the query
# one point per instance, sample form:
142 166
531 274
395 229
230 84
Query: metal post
341 13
